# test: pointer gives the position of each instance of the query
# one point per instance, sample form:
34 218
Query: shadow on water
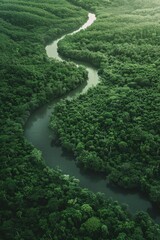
37 132
154 213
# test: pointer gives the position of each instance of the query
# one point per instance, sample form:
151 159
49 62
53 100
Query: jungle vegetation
114 128
38 202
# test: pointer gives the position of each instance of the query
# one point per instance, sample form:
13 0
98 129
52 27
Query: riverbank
38 202
55 157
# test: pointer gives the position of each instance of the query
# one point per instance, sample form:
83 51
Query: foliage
38 202
114 127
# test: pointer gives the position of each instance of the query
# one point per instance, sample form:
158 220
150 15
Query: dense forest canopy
38 202
115 127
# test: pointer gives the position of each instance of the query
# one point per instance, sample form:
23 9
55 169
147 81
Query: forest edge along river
38 133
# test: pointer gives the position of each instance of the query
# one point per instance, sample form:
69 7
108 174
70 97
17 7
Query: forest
38 202
114 128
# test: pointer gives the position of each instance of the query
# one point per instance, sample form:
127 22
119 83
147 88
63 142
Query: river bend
38 133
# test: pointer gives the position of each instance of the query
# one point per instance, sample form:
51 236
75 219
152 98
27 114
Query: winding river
38 133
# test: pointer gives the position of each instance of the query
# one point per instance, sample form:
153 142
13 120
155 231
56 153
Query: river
38 133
